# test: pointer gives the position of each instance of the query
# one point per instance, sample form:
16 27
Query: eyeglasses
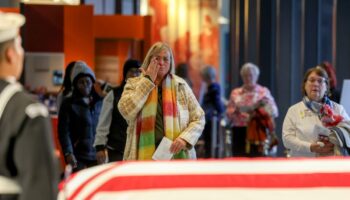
165 59
318 80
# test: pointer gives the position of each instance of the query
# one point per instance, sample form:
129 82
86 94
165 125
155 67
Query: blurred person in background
28 166
111 128
182 71
102 87
212 106
66 89
251 103
334 93
78 118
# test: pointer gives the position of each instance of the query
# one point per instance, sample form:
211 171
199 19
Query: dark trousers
207 138
239 144
239 141
83 164
255 151
114 156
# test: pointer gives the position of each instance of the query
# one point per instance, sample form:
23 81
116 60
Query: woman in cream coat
158 104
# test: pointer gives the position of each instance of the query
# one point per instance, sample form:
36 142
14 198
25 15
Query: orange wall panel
119 27
43 31
10 10
106 47
79 42
123 49
117 48
147 29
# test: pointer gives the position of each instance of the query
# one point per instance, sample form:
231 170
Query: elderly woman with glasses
158 104
315 125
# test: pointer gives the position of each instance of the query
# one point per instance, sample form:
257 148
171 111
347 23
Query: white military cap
9 25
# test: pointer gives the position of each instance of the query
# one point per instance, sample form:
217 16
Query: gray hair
208 73
154 50
250 67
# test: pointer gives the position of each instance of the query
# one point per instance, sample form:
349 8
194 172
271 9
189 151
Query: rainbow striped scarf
146 120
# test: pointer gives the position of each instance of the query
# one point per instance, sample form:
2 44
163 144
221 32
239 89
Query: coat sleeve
34 155
63 127
343 113
196 114
104 121
289 134
215 94
134 96
270 106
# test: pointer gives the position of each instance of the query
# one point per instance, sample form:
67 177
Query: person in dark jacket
78 118
111 128
28 165
182 71
212 106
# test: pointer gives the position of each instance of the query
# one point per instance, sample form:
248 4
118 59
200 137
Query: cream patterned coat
191 115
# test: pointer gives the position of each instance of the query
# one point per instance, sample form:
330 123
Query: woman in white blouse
307 126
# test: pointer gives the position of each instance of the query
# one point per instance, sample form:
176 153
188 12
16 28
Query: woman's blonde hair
154 50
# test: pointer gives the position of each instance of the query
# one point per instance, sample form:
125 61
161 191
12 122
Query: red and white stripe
214 179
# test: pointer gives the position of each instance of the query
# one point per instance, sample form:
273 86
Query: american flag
239 178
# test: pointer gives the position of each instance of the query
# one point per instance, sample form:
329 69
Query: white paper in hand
163 150
320 130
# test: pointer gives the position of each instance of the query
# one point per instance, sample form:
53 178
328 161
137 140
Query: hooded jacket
77 120
81 68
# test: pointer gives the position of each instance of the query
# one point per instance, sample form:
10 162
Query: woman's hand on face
178 145
152 69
